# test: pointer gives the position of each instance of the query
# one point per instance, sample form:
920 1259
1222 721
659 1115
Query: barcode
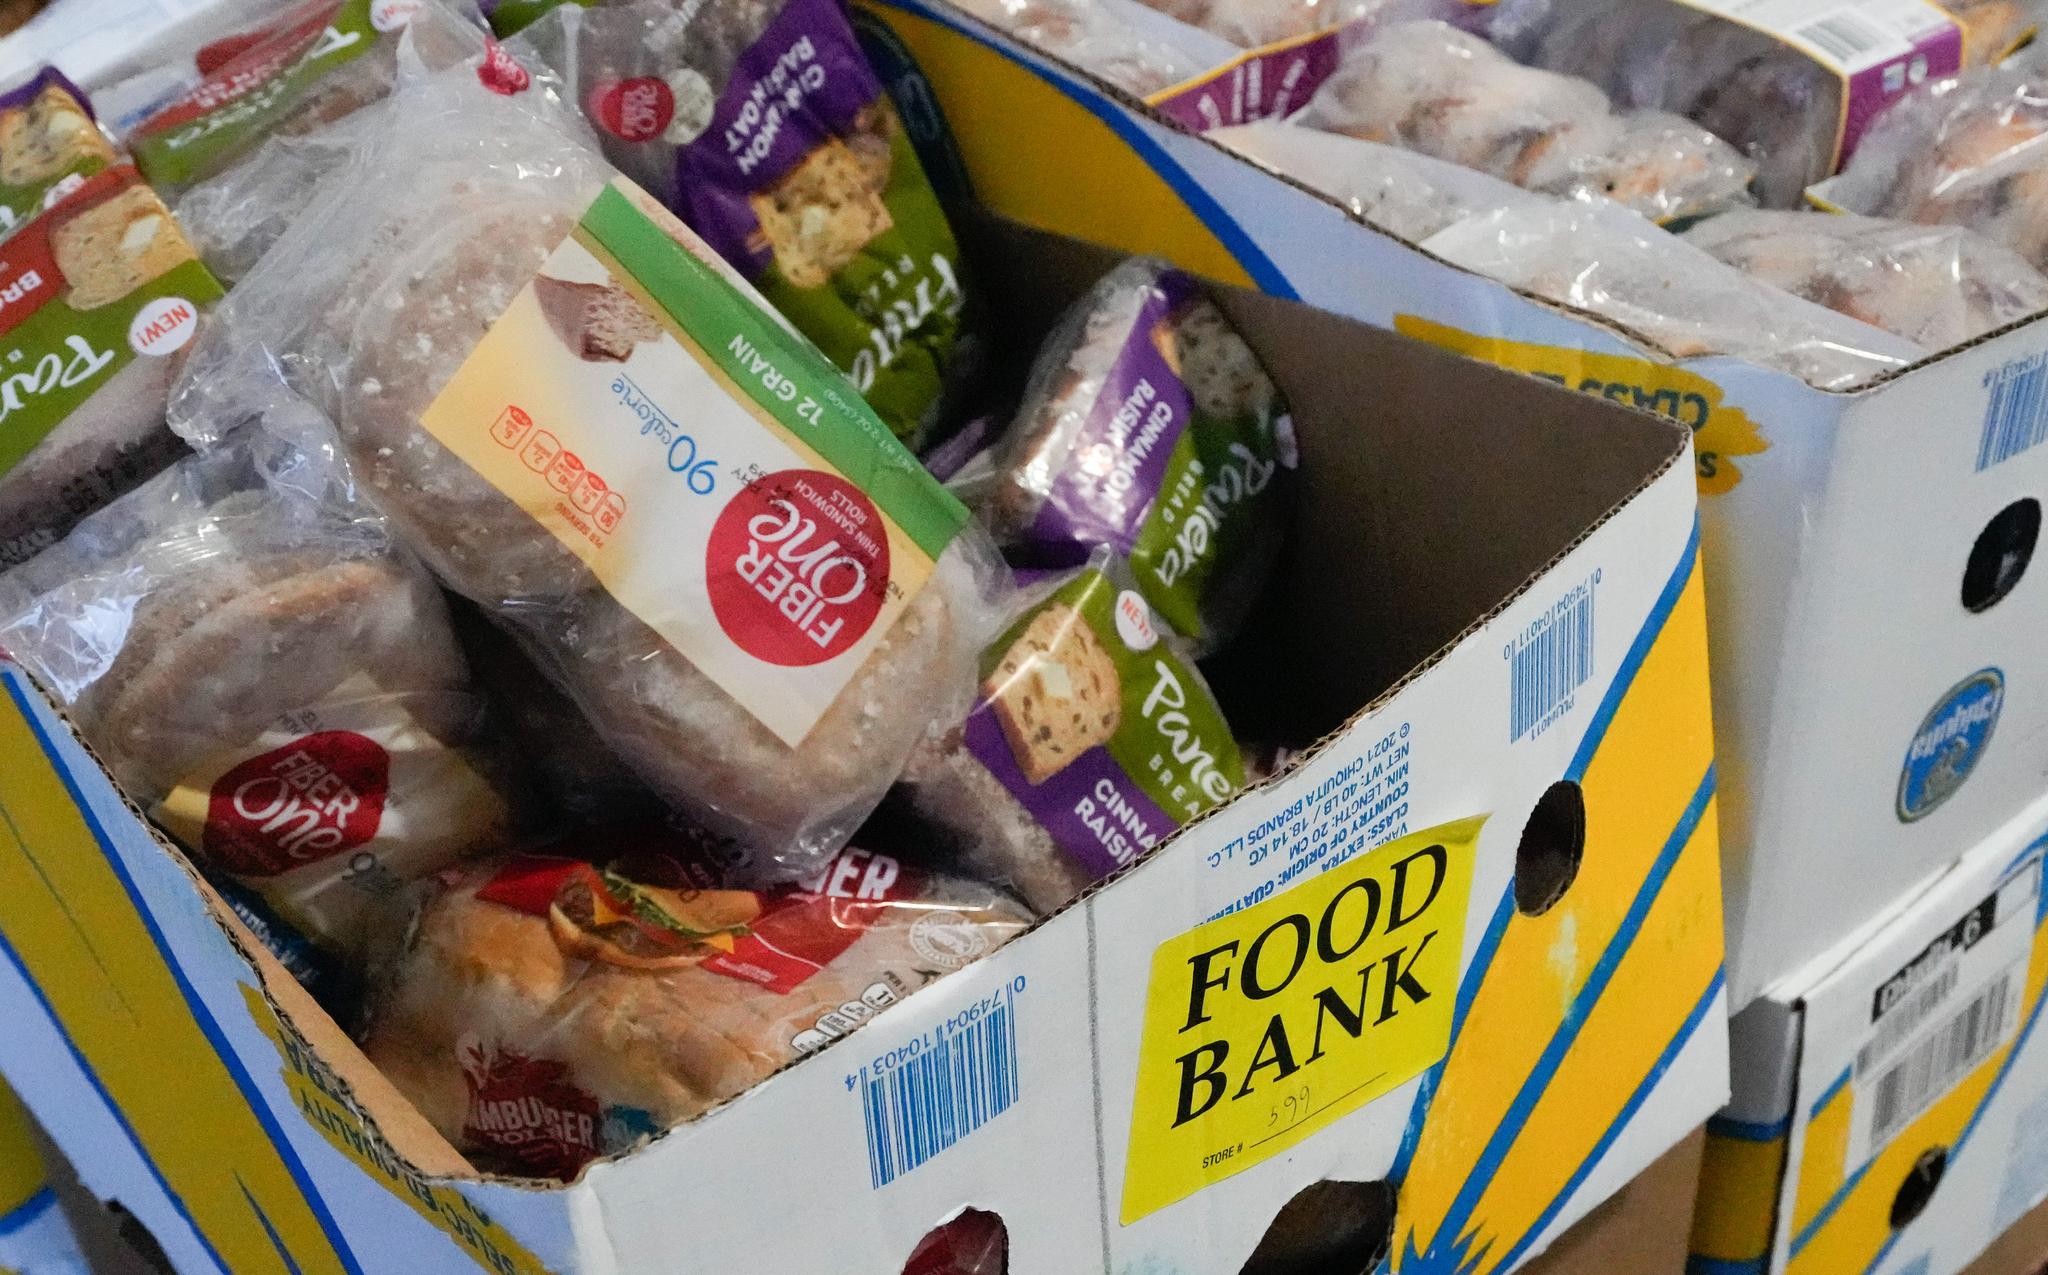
1904 1019
2017 418
1844 36
938 1097
1939 1061
1545 670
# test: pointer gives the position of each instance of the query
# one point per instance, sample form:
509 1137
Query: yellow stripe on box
21 1165
1738 1199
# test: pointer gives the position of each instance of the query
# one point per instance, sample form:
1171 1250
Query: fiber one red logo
316 797
798 567
529 1111
635 110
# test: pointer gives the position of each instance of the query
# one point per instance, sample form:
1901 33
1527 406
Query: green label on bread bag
100 280
49 144
1209 511
509 17
241 101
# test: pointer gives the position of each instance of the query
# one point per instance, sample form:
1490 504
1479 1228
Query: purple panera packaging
1151 428
1092 740
762 125
1269 84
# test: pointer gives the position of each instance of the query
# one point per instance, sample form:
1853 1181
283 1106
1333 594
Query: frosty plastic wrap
542 1012
1432 88
1936 286
268 674
761 124
1151 427
1794 92
99 297
1253 24
1406 194
1093 739
1103 36
50 142
1970 150
589 426
1617 265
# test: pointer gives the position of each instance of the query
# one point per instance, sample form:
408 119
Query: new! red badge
316 797
797 567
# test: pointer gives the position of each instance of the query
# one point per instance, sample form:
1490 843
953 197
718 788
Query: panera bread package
761 124
543 1011
1093 739
1151 427
589 426
50 142
99 298
269 676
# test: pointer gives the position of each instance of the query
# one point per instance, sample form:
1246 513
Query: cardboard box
1545 1022
1871 722
1641 1229
2023 1250
1891 1103
35 1236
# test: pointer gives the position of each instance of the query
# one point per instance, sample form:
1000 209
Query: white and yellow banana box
35 1236
1891 1103
1431 993
1867 553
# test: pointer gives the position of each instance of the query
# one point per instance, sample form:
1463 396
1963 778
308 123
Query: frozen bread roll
269 676
589 427
543 1011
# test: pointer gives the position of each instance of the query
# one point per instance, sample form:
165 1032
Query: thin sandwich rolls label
1266 1025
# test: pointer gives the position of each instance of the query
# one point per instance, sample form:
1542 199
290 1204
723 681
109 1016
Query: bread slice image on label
112 248
829 207
48 135
600 323
1055 693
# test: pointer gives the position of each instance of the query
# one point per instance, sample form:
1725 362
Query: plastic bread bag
761 124
50 142
1432 88
587 425
1105 37
1936 286
544 1011
1795 93
1969 150
314 62
1094 737
1408 195
1611 263
99 297
1253 24
1149 426
269 676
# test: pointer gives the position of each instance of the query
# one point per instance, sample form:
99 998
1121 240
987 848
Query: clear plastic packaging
1409 195
1969 150
1616 265
1253 24
269 675
385 290
1100 37
1432 88
820 199
544 1011
1094 737
1150 426
1936 286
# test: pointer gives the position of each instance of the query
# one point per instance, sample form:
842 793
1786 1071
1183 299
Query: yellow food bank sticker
1266 1025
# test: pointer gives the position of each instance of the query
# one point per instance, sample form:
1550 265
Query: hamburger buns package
589 426
761 124
269 676
545 1010
1093 739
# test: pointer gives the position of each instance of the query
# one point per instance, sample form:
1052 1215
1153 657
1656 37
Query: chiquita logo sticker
311 799
1950 743
1266 1025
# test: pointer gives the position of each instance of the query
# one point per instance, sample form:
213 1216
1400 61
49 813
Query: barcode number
1546 669
1844 36
1935 1064
933 1100
1905 1019
2017 418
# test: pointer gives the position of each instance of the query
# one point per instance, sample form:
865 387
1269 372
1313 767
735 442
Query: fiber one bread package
543 1011
99 297
269 675
1093 739
761 124
1151 427
592 429
50 143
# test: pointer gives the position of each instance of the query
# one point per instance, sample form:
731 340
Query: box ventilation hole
974 1243
1553 842
1918 1188
2001 554
1328 1228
